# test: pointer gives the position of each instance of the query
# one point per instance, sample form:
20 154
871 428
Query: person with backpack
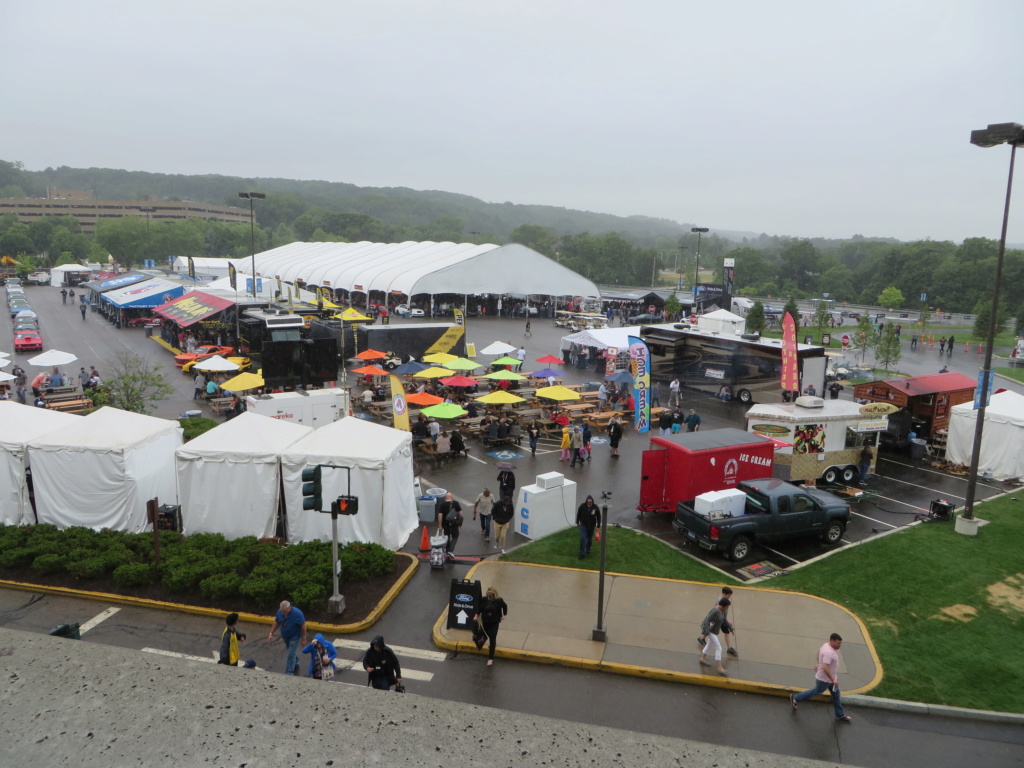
382 666
503 513
449 522
229 640
492 610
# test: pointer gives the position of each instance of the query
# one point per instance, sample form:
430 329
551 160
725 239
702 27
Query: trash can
918 448
438 495
67 630
149 330
428 509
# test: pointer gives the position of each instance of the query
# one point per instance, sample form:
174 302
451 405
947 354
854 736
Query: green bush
17 558
45 564
262 585
360 562
221 586
134 574
194 427
89 567
182 577
310 594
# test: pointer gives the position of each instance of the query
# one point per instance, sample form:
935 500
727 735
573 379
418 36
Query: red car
202 353
136 321
26 341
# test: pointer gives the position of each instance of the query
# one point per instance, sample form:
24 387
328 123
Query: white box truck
311 408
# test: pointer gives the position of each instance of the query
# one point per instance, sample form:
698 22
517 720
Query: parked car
968 317
643 319
25 324
947 317
136 321
38 278
904 314
201 353
27 341
26 314
18 306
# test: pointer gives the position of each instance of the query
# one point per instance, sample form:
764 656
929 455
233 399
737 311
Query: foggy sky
800 118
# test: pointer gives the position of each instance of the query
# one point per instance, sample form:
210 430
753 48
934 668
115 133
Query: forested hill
394 205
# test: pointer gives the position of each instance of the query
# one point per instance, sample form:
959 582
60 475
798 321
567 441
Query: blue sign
121 282
982 390
924 297
259 285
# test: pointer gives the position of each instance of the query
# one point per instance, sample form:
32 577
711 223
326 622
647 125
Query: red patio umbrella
551 360
424 398
458 381
370 370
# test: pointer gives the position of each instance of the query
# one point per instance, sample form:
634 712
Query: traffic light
345 505
312 488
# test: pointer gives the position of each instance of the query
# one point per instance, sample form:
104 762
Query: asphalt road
877 738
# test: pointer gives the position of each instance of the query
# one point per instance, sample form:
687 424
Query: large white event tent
382 477
602 338
229 478
1002 443
417 268
100 471
21 424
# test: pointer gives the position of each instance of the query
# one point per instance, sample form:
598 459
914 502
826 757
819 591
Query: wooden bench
71 402
219 404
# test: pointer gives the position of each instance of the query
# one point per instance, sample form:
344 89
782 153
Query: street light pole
600 631
148 209
696 266
993 136
250 196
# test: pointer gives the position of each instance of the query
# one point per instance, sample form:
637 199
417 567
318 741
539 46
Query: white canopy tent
413 268
229 478
382 478
100 471
1002 443
21 424
57 273
602 337
721 321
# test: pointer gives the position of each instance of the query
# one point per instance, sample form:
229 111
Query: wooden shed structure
928 399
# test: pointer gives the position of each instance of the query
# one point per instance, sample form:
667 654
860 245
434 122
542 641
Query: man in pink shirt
826 677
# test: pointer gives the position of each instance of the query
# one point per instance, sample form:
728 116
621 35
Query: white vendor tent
57 273
229 478
721 321
22 423
101 471
602 337
1002 444
382 478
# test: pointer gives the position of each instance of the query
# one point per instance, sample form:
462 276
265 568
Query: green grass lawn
1017 374
945 611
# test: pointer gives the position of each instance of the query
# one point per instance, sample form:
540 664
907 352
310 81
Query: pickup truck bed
774 511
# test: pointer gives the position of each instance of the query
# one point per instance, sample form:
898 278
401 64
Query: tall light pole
147 209
250 196
993 136
696 266
681 251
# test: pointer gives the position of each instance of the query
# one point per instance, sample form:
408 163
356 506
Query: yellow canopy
432 373
558 392
242 382
351 315
496 398
440 357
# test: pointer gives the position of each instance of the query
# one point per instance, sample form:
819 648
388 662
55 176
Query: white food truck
311 408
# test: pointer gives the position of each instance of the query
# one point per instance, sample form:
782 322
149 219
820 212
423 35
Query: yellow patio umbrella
432 373
504 375
558 392
242 382
499 397
440 357
460 364
351 315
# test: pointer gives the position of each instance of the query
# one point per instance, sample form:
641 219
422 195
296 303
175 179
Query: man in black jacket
381 665
587 518
449 522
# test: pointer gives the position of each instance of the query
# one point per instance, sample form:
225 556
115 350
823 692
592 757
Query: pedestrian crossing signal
345 505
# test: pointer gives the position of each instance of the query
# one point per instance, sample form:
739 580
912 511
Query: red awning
192 307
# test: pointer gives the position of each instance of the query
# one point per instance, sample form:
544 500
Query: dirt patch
957 612
1007 594
360 597
888 624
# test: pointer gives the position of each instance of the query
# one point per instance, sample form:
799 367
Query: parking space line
874 520
923 487
98 619
776 552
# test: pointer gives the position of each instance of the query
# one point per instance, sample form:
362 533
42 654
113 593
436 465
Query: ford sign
464 598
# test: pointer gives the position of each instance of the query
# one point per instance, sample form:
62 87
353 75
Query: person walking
381 665
81 307
484 504
942 345
322 654
677 420
521 355
63 295
229 641
587 436
655 393
693 421
292 623
949 346
576 447
665 423
71 296
506 481
727 627
449 522
866 455
566 442
492 610
913 340
826 677
198 385
533 433
674 392
587 518
834 389
614 435
503 513
709 629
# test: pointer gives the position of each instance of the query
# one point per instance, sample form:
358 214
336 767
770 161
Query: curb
253 618
920 708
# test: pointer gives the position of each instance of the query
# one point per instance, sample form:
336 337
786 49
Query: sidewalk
653 624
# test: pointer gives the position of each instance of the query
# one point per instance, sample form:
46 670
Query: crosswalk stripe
172 654
353 665
97 619
410 653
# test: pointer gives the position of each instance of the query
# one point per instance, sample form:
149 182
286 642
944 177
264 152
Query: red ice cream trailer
681 467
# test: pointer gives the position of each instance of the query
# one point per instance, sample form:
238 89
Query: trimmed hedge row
217 568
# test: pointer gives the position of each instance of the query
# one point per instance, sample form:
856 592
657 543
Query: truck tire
833 532
830 476
745 397
850 474
739 549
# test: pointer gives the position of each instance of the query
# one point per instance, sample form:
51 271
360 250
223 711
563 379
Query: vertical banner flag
460 317
983 392
790 369
191 268
611 356
640 356
398 404
233 277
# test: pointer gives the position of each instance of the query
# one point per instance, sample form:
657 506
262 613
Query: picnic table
578 409
380 410
68 401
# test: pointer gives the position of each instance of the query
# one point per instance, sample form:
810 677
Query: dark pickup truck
774 510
